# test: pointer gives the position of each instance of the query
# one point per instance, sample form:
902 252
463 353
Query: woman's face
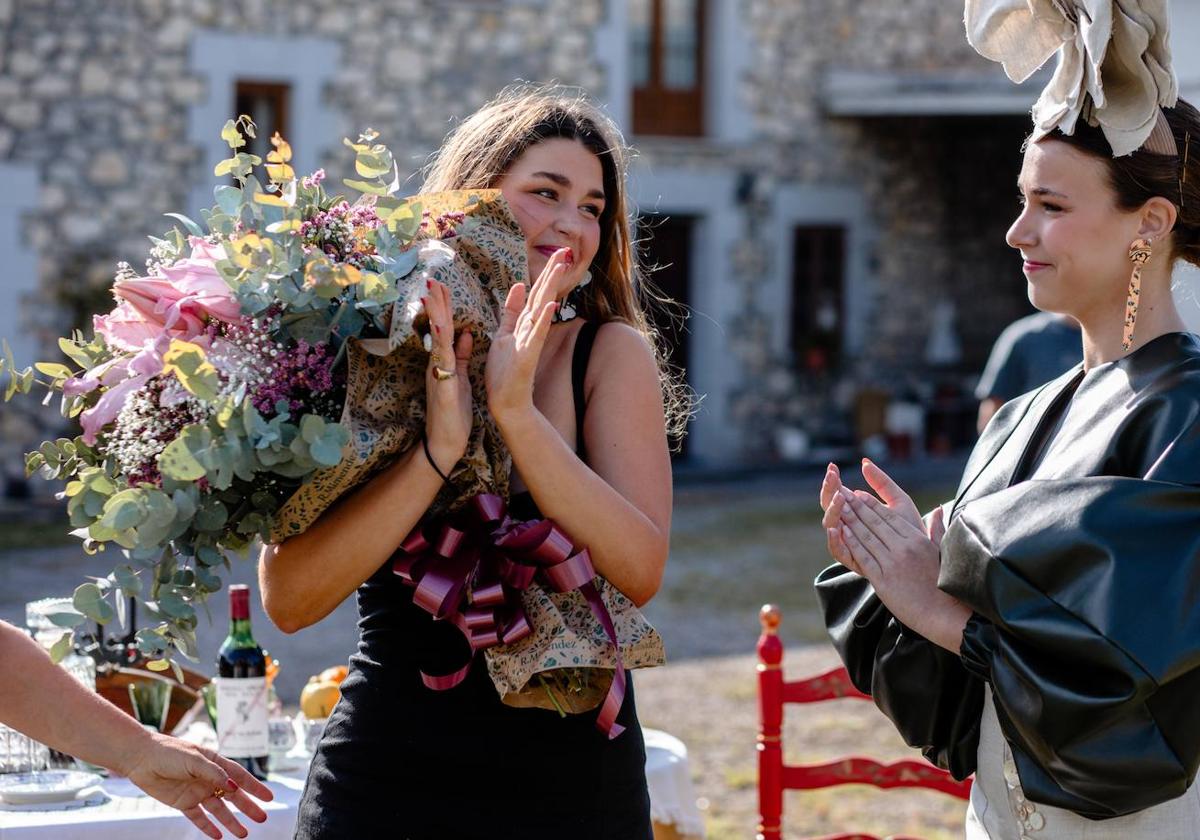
1072 236
556 192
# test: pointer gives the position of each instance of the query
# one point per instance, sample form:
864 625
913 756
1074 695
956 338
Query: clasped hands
885 540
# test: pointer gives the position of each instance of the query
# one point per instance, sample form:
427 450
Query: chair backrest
774 777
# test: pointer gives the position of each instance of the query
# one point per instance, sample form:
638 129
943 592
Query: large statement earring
1139 255
569 308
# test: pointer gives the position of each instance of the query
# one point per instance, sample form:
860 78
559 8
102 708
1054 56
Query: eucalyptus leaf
312 426
125 510
367 187
185 504
191 226
211 516
191 367
231 135
54 370
327 449
89 600
208 580
66 619
229 199
150 642
128 580
178 462
174 605
209 556
60 649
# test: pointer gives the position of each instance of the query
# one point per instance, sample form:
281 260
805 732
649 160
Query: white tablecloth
672 797
131 815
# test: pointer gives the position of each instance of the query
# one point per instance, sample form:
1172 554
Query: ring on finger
218 793
441 374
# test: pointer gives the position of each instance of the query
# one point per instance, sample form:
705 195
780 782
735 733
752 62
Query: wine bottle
242 690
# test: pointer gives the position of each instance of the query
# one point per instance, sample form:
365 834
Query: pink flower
120 377
205 291
179 301
124 328
157 301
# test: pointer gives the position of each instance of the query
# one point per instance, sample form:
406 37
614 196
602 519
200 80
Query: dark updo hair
1138 177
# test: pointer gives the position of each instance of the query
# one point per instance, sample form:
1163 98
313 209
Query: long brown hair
478 153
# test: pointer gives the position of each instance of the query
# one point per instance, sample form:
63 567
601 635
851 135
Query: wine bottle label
242 716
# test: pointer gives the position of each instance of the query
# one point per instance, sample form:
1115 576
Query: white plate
44 786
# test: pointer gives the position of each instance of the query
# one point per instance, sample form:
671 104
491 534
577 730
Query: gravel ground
710 704
735 546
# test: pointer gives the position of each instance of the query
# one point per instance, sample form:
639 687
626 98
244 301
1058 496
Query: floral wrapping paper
567 635
385 388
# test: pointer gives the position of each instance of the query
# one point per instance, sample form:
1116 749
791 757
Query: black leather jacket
1083 571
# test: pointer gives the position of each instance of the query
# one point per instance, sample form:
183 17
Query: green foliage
373 161
223 479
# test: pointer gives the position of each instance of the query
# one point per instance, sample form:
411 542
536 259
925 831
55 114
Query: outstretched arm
174 772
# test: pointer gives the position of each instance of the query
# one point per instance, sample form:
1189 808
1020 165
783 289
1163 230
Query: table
673 808
131 815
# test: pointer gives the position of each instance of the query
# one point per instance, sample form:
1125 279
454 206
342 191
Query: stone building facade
834 217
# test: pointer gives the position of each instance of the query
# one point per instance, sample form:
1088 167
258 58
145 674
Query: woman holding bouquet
1047 636
579 402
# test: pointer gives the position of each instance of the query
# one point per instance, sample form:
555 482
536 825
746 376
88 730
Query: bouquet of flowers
274 358
214 388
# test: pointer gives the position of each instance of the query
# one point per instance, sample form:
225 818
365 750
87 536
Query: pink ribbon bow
473 577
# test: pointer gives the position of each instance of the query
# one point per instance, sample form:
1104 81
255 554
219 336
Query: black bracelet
429 458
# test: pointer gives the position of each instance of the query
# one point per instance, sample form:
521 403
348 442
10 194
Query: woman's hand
898 501
513 358
886 542
448 414
185 776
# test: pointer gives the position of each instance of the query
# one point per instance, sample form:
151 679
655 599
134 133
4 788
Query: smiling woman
1041 630
555 212
583 406
1082 209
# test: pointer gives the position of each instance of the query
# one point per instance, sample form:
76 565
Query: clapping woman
1043 629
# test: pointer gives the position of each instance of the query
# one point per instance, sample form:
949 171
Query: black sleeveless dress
398 760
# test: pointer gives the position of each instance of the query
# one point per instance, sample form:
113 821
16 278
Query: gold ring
435 358
218 793
442 375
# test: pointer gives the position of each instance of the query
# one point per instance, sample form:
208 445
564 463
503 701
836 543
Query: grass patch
737 557
741 778
24 534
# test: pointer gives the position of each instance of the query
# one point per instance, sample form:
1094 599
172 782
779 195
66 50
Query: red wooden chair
774 777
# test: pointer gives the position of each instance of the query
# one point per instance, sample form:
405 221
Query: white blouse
998 809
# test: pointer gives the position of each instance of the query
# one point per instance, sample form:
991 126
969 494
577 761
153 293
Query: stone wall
940 192
96 97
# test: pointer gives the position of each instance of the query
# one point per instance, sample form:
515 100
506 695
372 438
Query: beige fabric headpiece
1114 66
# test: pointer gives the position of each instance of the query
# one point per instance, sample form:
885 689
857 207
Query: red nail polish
428 284
437 330
232 785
